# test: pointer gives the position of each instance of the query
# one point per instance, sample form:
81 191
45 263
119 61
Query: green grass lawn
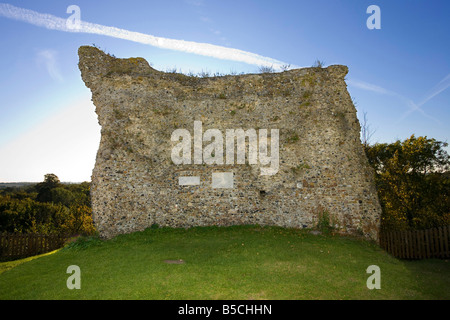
242 262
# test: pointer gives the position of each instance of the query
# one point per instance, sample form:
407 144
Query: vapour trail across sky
443 85
55 23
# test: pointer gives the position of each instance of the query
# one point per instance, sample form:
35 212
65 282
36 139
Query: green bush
324 223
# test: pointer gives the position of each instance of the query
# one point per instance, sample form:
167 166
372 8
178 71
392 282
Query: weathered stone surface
135 183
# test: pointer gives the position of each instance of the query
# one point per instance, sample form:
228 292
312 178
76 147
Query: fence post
441 243
51 243
396 236
39 243
23 244
409 238
422 243
446 240
431 242
405 247
14 245
436 239
387 242
19 244
410 244
434 242
385 237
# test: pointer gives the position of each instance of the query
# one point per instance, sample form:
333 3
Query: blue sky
399 74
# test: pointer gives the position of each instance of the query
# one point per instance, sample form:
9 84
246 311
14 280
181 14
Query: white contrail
437 89
441 86
55 23
369 87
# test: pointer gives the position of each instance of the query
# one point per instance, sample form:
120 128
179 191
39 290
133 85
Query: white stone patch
222 180
189 181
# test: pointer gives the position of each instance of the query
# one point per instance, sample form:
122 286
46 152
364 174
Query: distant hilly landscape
4 185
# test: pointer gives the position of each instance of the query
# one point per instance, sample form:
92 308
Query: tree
412 182
366 131
44 189
62 195
79 221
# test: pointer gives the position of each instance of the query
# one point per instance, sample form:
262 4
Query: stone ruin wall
135 183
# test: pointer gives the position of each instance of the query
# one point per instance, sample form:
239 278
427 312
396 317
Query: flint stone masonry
135 184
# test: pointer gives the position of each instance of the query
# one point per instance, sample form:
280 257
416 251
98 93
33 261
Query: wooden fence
16 245
417 244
